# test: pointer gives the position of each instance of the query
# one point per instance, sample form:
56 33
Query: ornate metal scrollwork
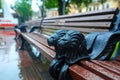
70 48
22 28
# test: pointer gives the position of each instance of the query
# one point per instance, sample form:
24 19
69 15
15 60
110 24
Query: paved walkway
9 59
17 65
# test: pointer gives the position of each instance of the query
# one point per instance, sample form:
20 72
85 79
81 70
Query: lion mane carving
74 45
52 41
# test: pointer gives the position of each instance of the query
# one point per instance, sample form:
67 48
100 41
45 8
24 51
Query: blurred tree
23 7
41 4
0 4
51 4
62 4
86 3
102 1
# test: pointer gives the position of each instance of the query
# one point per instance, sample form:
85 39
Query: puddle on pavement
9 62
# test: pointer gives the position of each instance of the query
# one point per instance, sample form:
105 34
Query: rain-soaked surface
16 64
9 59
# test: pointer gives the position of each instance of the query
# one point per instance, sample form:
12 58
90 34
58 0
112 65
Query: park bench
107 20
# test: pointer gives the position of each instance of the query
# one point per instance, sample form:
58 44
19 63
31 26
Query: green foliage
85 2
102 1
59 4
0 4
23 7
51 4
80 2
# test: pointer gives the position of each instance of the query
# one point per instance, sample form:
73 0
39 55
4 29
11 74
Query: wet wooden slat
81 73
41 40
87 30
111 64
106 74
50 54
108 17
82 24
110 68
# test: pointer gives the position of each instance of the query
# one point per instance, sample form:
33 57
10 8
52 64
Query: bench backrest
102 20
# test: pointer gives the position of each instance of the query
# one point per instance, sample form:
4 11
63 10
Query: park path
9 58
16 64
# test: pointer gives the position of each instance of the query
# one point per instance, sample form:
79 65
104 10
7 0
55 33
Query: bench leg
32 52
55 68
64 73
22 44
59 70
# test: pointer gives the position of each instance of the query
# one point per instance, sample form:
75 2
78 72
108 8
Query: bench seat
89 70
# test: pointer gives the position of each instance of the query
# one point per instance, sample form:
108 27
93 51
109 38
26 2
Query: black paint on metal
22 28
70 47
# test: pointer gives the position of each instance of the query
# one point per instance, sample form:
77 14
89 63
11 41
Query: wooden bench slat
111 64
50 54
102 18
113 69
40 40
49 30
47 33
81 73
82 24
78 29
100 70
116 62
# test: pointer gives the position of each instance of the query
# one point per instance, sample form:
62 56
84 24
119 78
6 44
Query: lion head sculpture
52 41
58 60
71 39
73 43
70 47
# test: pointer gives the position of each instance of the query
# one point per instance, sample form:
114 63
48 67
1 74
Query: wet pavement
18 65
9 59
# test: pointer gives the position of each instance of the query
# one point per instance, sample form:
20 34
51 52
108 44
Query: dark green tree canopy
51 4
23 7
0 4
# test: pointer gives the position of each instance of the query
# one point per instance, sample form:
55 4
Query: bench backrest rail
95 21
